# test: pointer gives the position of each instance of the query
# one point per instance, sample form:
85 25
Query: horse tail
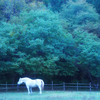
42 84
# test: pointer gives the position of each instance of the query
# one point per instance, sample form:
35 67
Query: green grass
51 95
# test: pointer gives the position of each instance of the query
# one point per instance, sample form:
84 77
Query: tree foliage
11 7
54 5
78 19
37 40
34 45
96 4
88 49
79 13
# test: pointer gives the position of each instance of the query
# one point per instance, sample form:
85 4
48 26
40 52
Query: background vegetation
50 40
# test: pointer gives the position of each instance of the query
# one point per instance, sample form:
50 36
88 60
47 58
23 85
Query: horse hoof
40 93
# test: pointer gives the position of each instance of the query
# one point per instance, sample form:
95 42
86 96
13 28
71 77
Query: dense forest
55 40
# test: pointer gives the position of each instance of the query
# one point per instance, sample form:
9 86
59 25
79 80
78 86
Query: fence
63 86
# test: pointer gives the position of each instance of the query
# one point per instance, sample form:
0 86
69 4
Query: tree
11 7
79 14
54 5
88 57
96 4
35 44
78 19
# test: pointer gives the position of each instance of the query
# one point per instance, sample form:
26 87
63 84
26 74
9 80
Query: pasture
51 95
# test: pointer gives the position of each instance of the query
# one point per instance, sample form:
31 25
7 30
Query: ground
51 95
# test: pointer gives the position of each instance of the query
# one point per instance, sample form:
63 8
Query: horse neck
24 79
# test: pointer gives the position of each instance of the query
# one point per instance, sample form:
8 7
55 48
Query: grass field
51 95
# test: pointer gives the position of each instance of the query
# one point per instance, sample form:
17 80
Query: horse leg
28 90
40 89
31 90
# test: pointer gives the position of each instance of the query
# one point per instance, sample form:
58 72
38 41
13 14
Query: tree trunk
13 79
92 80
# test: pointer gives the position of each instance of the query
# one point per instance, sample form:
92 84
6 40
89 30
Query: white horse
32 83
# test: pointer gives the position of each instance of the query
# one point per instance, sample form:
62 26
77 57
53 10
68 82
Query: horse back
35 83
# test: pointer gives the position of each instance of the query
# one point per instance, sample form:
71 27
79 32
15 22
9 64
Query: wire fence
63 86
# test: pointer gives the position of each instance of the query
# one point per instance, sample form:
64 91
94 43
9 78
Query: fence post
97 86
52 85
90 86
63 85
6 86
17 88
77 86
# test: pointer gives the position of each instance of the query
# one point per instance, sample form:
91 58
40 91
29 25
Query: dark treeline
57 41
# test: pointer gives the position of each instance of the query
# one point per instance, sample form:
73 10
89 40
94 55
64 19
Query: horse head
20 81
